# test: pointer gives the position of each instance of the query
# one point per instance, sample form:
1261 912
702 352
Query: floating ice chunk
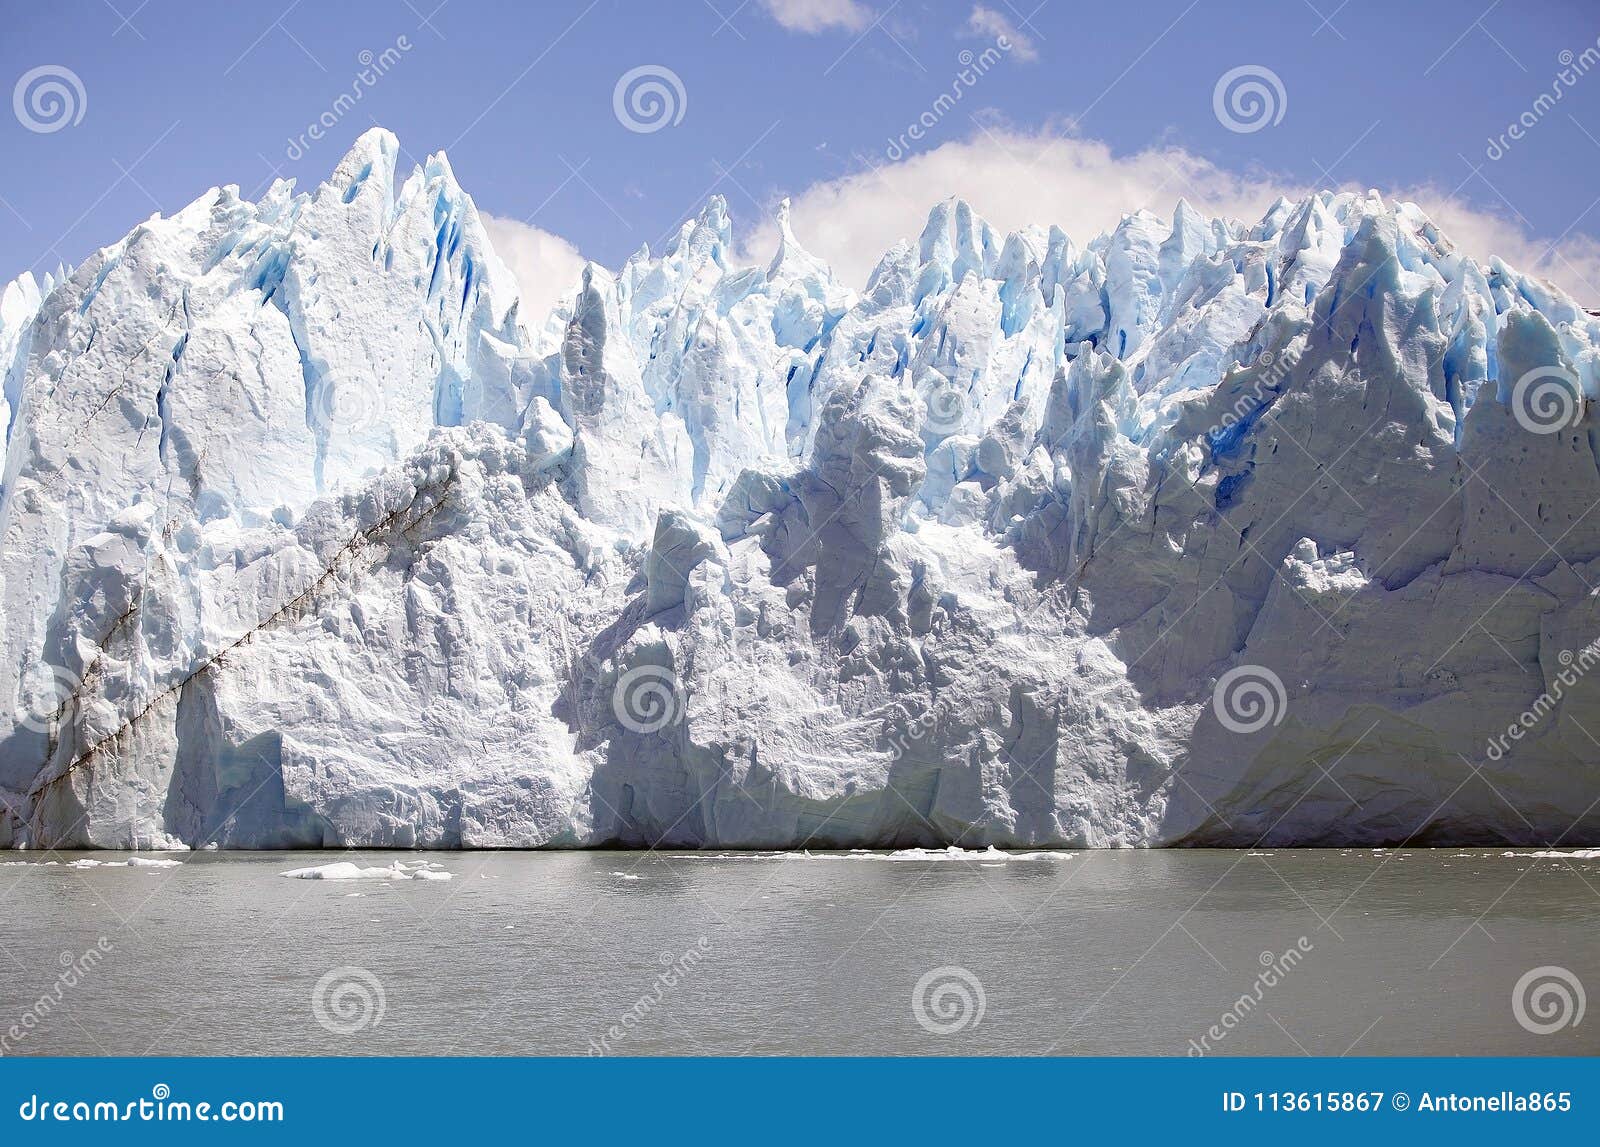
1556 854
950 853
340 870
348 870
131 862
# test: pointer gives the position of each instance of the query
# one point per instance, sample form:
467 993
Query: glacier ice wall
1201 533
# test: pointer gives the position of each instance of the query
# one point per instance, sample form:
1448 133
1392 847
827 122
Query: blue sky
1089 108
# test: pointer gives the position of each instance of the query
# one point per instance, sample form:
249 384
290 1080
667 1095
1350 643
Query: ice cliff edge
1199 533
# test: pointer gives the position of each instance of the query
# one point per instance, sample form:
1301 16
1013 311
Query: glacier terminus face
1200 533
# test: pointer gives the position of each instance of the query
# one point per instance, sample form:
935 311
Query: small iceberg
951 852
131 862
1556 854
349 870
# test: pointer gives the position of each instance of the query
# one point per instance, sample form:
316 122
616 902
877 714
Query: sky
586 129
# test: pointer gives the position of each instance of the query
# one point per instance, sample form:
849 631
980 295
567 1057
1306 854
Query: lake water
1127 952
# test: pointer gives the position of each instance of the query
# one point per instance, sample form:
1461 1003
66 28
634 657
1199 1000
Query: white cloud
818 15
545 266
994 25
1012 179
1015 178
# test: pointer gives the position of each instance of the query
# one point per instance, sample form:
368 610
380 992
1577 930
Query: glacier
312 538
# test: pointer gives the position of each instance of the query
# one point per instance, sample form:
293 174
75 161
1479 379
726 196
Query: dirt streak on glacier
1202 533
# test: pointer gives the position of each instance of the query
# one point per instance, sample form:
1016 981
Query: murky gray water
519 953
